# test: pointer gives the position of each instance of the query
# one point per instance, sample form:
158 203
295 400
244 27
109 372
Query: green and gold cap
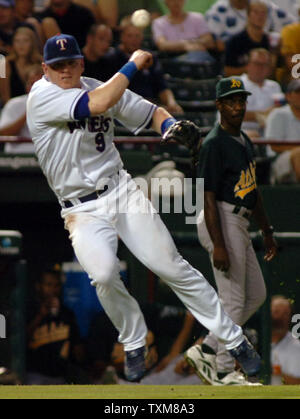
229 86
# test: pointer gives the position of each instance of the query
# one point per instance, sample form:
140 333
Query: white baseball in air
141 18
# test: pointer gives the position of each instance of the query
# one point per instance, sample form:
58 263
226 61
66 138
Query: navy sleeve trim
82 110
147 120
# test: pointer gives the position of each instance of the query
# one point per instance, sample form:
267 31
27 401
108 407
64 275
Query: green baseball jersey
228 168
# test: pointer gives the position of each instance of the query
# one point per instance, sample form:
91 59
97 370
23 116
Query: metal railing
153 140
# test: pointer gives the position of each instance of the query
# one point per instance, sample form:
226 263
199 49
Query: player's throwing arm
108 94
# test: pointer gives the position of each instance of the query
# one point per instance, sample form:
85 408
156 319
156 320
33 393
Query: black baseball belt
90 197
243 211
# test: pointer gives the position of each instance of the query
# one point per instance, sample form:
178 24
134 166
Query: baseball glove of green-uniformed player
185 133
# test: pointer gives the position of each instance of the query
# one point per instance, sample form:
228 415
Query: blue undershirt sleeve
82 110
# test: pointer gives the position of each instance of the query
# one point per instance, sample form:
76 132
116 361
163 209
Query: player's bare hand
271 248
221 259
142 59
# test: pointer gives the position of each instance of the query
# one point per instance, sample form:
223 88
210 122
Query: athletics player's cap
229 86
61 47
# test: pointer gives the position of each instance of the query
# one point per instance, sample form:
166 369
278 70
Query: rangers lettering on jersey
94 124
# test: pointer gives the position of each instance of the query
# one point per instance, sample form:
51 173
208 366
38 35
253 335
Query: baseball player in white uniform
71 121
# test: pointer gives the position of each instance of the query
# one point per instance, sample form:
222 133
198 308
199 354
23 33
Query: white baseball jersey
75 155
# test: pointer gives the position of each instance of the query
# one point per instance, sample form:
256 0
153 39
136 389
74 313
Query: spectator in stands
285 350
182 32
25 52
40 5
266 93
24 11
229 17
253 36
92 6
64 16
283 124
98 53
9 22
290 46
54 348
112 12
149 83
13 115
289 6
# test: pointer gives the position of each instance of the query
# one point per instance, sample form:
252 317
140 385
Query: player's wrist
129 70
167 123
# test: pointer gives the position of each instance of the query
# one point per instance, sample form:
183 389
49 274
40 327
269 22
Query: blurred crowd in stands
254 39
59 353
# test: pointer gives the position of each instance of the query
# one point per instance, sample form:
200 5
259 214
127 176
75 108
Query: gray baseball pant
242 289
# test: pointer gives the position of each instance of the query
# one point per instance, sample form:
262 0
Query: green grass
148 392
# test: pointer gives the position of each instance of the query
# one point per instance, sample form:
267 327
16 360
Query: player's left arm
262 220
159 117
182 132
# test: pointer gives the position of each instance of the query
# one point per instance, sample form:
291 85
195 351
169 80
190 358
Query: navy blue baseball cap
61 47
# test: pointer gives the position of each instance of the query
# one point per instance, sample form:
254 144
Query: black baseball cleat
247 357
135 366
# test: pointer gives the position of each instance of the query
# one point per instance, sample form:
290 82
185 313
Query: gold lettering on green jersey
46 334
247 182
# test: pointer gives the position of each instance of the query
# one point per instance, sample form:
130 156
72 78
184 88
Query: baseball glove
185 133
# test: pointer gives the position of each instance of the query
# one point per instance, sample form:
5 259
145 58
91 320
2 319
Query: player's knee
104 277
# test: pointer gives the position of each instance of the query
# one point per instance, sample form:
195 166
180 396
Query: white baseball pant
242 289
94 229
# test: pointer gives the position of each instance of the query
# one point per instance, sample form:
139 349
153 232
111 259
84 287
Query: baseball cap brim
55 60
245 92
